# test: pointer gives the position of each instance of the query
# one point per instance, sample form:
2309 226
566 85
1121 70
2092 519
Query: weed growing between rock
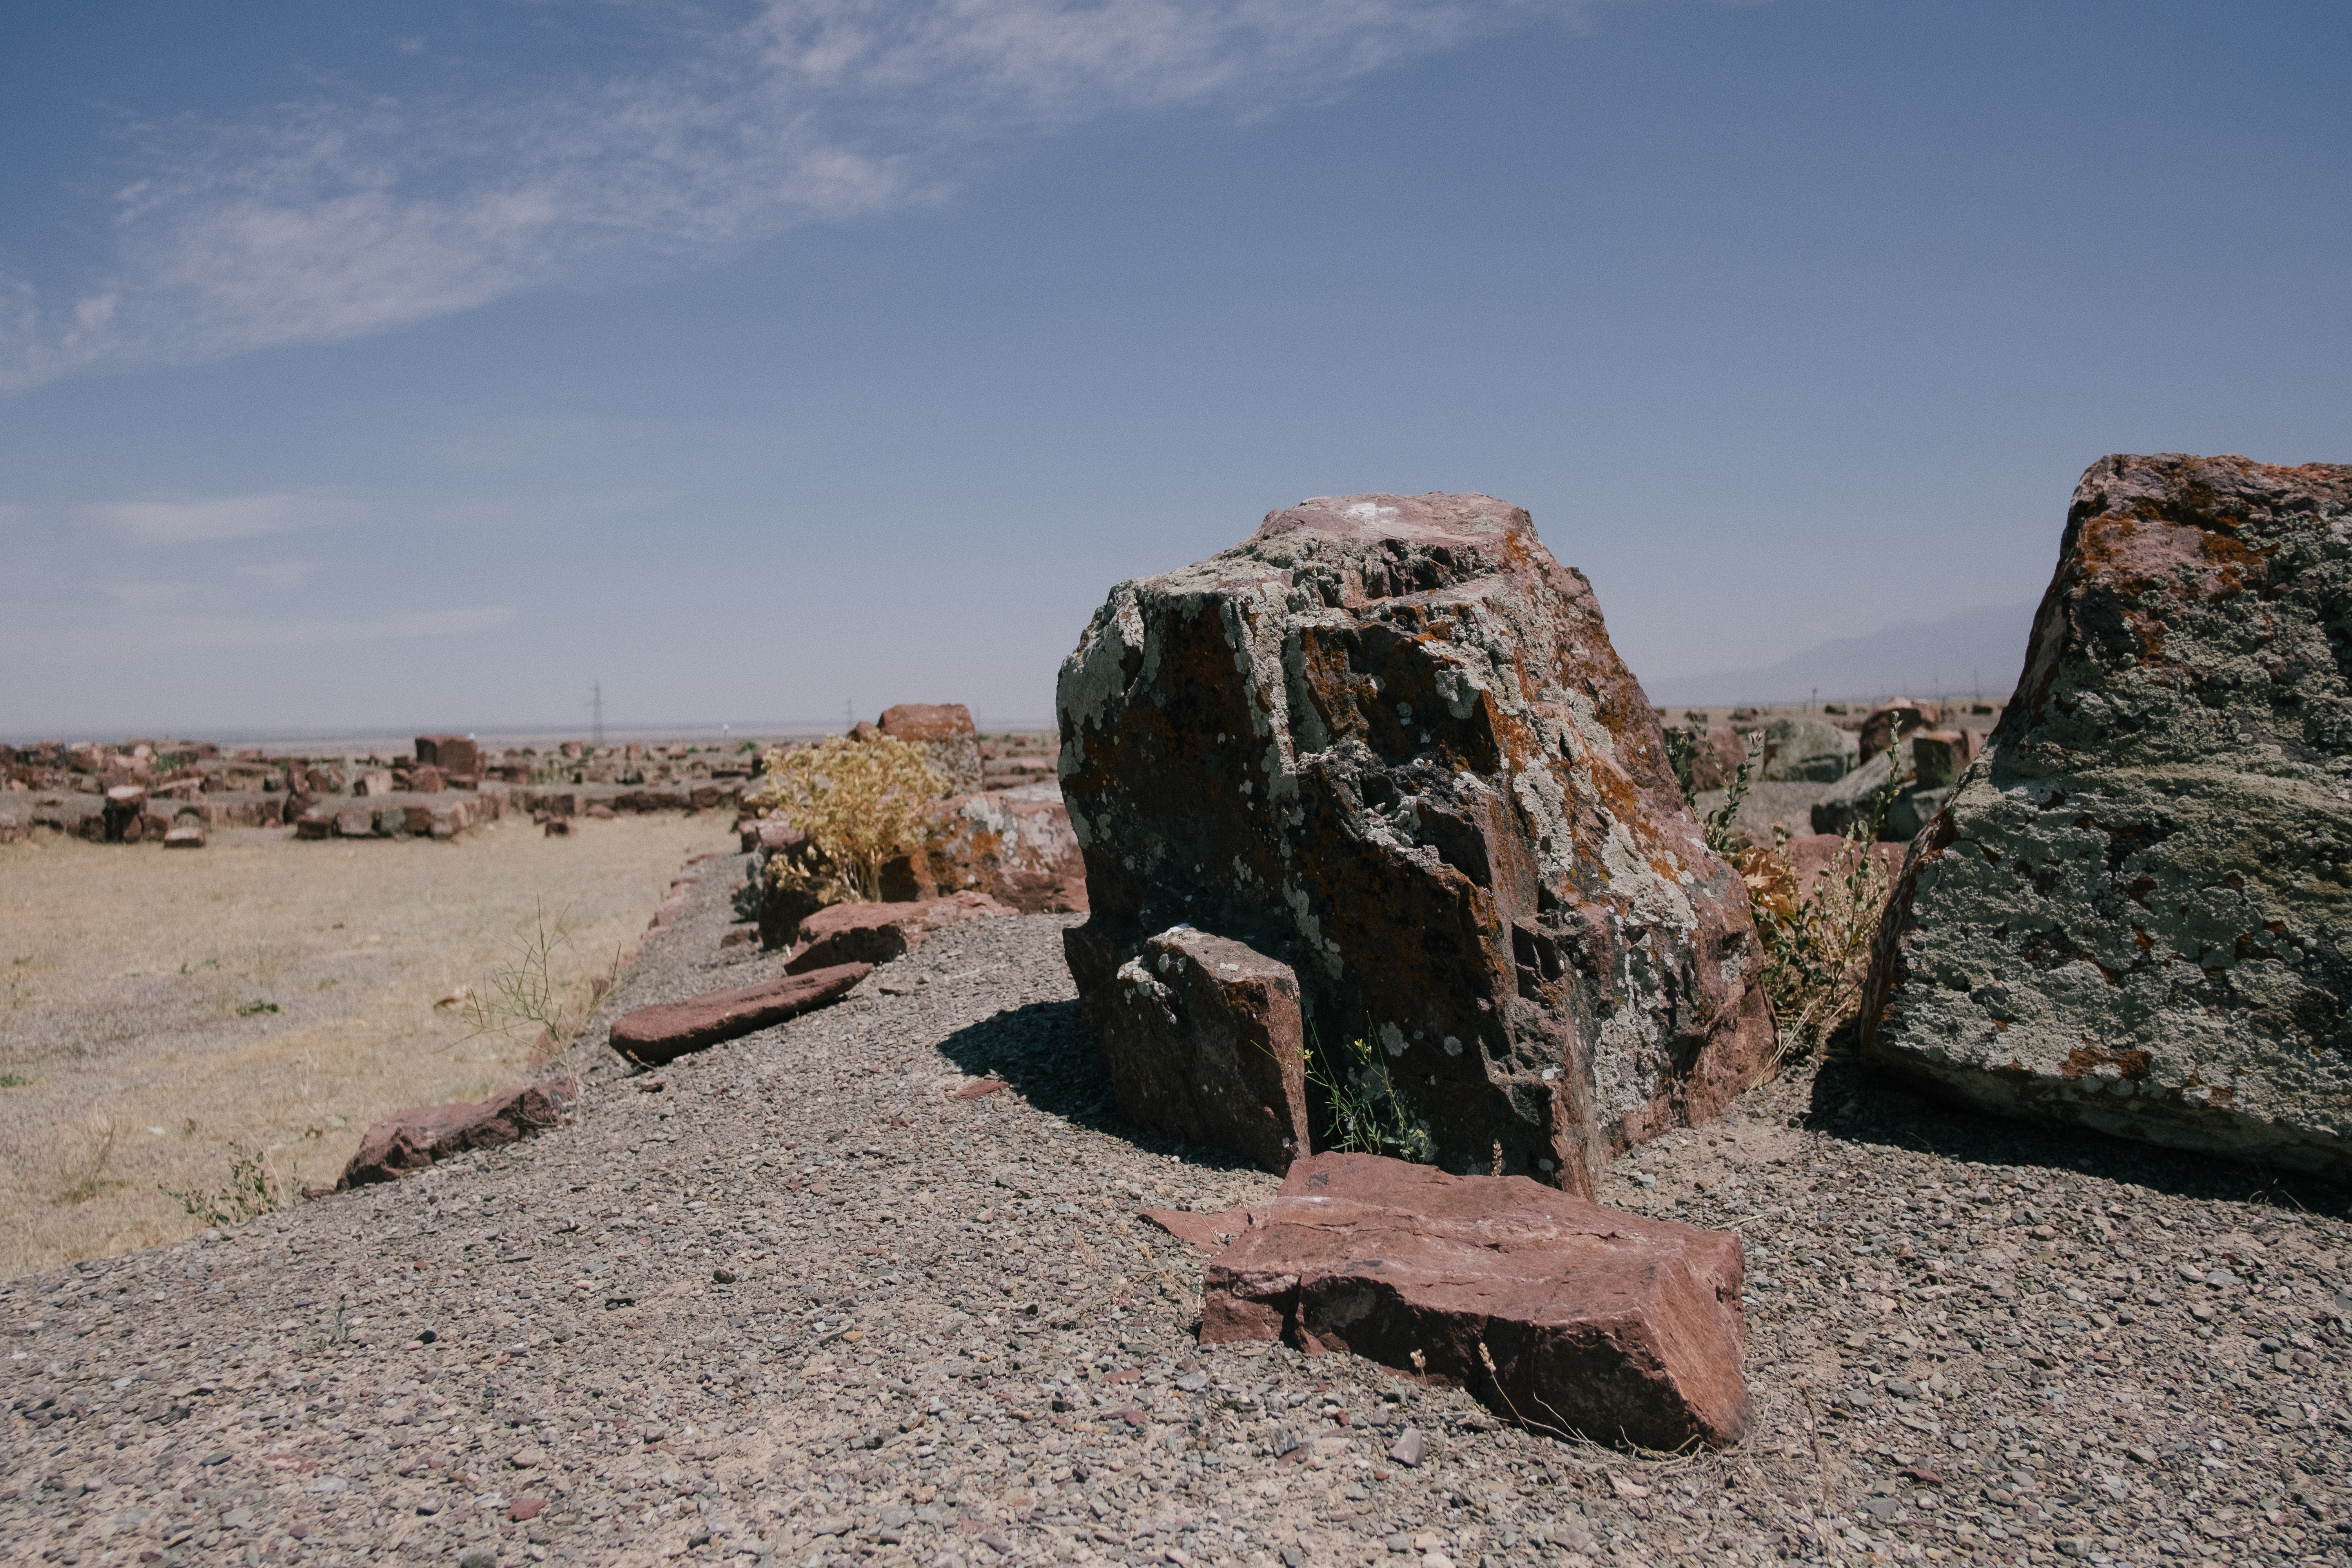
1718 827
254 1188
863 804
1817 943
528 999
85 1170
1368 1115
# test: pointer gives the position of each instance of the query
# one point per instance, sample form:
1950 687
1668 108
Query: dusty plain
792 1300
157 1007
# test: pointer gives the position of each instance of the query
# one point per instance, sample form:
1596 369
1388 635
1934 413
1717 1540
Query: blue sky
420 367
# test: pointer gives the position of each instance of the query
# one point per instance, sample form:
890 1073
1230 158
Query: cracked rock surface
801 1305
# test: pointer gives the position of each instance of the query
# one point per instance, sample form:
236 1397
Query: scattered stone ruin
174 792
2129 913
1386 744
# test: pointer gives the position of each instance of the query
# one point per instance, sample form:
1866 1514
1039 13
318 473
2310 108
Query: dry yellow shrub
862 803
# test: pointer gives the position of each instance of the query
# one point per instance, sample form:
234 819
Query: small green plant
15 1080
1721 827
1368 1115
254 1188
255 1008
863 804
192 968
1682 755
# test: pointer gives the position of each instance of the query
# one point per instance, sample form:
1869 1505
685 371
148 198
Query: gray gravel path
800 1303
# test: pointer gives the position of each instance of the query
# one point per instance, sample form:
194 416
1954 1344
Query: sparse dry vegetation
1817 940
133 1058
863 804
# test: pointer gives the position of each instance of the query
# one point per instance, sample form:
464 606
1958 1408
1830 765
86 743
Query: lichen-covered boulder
1387 742
2132 911
1808 751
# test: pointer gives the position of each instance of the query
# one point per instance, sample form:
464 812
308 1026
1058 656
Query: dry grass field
157 1008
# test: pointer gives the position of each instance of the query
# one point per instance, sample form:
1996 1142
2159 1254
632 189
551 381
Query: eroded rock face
2131 912
1552 1312
1386 742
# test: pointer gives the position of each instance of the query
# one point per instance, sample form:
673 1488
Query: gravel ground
799 1303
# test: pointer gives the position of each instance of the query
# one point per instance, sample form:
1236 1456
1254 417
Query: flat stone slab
1554 1312
403 1144
656 1034
877 932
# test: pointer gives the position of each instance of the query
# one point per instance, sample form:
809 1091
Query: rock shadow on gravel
1854 1104
1044 1052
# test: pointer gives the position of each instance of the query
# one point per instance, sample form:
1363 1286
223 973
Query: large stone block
2130 913
1552 1312
1386 742
455 756
1021 852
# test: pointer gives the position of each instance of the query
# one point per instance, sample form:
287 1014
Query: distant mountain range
1976 652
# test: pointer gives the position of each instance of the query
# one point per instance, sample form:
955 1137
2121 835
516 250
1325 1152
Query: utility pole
596 706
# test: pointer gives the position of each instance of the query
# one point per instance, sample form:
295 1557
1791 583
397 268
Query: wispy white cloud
346 217
227 517
248 631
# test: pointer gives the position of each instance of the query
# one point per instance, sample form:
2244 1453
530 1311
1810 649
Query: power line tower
596 707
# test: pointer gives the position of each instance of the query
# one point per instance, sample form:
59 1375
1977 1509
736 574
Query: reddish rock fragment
876 932
1021 852
656 1034
1207 1044
1553 1311
944 731
405 1143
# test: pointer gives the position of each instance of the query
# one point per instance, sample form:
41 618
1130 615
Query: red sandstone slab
656 1034
403 1144
878 932
1553 1311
